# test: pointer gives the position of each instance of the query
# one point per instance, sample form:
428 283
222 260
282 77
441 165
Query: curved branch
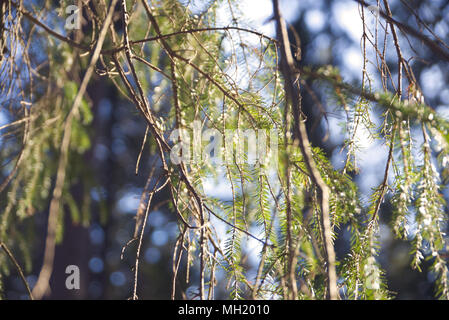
293 97
19 269
433 45
58 36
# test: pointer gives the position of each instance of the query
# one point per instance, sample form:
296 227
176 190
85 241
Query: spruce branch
288 68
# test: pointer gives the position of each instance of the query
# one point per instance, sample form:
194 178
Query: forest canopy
177 149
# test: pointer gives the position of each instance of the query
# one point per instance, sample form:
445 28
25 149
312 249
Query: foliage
179 68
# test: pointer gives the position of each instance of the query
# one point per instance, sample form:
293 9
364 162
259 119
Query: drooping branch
19 269
49 30
290 74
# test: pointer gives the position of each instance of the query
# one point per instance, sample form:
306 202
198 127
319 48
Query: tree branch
433 45
293 97
19 269
42 283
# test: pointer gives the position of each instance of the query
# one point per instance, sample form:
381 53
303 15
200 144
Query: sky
372 159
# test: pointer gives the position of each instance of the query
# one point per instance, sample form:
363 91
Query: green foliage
209 76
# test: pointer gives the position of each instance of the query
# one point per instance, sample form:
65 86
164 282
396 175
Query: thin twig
19 269
293 96
139 246
431 44
58 36
42 283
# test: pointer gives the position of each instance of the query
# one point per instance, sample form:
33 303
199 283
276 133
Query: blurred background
330 32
